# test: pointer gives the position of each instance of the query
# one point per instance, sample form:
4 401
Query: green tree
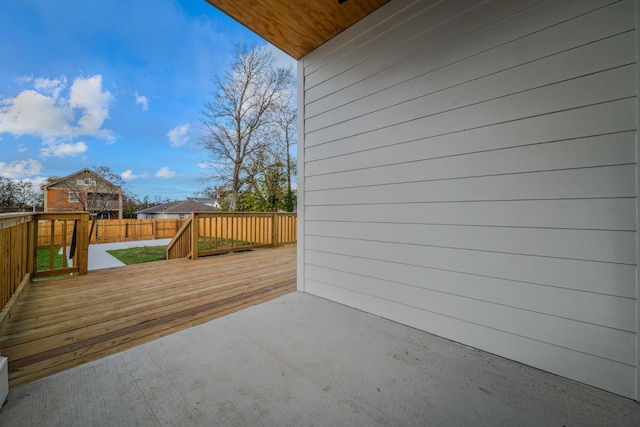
19 196
266 191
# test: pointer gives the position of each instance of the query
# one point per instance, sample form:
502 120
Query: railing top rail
15 214
60 215
8 220
225 213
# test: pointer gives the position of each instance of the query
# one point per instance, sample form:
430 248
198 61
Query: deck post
195 224
82 246
274 230
32 244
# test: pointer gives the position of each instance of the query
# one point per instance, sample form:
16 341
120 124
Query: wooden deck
64 322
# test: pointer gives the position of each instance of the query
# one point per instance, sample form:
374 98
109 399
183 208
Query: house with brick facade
84 190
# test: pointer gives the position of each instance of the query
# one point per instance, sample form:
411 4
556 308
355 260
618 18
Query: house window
86 181
104 215
74 197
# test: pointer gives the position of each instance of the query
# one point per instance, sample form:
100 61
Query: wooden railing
124 230
65 257
210 233
114 230
16 253
21 258
180 246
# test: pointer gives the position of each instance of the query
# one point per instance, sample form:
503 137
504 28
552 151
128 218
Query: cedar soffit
297 26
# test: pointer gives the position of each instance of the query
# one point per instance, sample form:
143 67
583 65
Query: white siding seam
501 97
461 201
465 36
474 176
597 109
466 201
565 274
546 285
475 79
460 154
485 326
475 249
450 224
487 301
546 113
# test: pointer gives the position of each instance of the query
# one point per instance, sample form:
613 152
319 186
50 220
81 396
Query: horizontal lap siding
469 169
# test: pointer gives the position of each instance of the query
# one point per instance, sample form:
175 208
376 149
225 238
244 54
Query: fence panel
287 228
245 228
167 228
112 230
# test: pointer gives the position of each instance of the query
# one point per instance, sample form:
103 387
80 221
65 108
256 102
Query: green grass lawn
158 253
42 261
206 243
140 254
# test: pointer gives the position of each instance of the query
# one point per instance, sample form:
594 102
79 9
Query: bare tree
285 118
237 122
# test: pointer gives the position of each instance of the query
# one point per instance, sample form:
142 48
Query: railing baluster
63 246
51 245
221 232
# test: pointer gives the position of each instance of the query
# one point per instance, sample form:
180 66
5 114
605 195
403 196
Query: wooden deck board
64 322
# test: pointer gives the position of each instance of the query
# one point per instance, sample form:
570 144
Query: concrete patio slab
300 360
99 258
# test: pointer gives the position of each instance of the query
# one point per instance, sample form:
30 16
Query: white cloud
128 175
143 101
31 113
88 96
178 135
51 87
204 165
63 149
20 168
44 112
21 148
24 79
165 172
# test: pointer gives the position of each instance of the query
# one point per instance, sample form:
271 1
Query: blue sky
117 83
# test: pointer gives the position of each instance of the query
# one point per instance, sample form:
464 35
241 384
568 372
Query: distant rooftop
206 200
181 207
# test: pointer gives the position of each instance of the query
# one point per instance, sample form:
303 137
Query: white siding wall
470 170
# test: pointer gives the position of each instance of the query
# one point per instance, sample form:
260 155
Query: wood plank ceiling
297 26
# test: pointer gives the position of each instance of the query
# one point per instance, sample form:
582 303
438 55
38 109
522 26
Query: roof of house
297 27
205 200
180 207
80 172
